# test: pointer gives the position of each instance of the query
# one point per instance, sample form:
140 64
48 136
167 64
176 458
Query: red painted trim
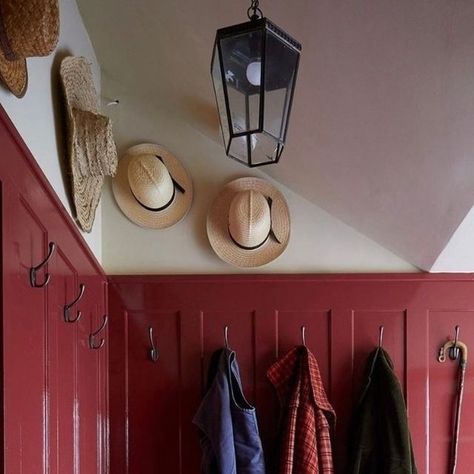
322 277
46 185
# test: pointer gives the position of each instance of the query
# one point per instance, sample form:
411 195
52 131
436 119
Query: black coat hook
93 335
68 307
33 270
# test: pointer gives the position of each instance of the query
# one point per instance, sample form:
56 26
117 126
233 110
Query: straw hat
91 147
152 187
28 28
248 225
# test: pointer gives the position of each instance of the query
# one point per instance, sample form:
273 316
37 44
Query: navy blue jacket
229 435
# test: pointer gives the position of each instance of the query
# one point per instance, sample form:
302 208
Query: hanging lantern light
254 67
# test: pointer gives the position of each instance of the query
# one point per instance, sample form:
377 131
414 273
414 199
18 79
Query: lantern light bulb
254 73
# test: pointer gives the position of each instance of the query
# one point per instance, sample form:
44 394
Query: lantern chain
254 12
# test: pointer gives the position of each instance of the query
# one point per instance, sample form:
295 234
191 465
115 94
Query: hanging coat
229 435
380 440
307 416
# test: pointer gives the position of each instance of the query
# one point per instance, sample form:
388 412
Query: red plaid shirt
308 417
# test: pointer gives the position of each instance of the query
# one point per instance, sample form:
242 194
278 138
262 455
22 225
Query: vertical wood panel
154 393
25 350
62 366
103 389
87 377
118 376
418 362
191 367
266 343
341 369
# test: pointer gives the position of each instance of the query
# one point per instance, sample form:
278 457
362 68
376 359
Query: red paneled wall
54 386
152 404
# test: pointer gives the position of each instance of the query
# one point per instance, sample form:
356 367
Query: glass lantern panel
241 55
280 69
239 147
266 149
220 98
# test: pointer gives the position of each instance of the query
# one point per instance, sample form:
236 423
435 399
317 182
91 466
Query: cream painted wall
458 255
39 115
319 242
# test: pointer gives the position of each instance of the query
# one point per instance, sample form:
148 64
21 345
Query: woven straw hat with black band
91 146
152 187
28 28
248 224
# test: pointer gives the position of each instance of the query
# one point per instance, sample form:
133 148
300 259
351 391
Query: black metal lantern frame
254 68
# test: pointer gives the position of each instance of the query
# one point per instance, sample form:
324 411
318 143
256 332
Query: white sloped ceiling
381 133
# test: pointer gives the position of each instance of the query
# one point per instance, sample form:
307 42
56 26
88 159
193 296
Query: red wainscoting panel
152 404
54 387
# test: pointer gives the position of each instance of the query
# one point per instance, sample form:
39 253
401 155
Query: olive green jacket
380 439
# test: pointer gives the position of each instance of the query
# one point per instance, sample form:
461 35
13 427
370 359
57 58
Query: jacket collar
288 372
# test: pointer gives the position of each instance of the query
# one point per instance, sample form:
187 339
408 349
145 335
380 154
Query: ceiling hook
254 12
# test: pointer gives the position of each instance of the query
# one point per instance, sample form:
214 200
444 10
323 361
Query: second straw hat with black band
27 29
220 223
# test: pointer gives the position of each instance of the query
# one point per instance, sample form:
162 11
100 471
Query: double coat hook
93 335
67 308
34 270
